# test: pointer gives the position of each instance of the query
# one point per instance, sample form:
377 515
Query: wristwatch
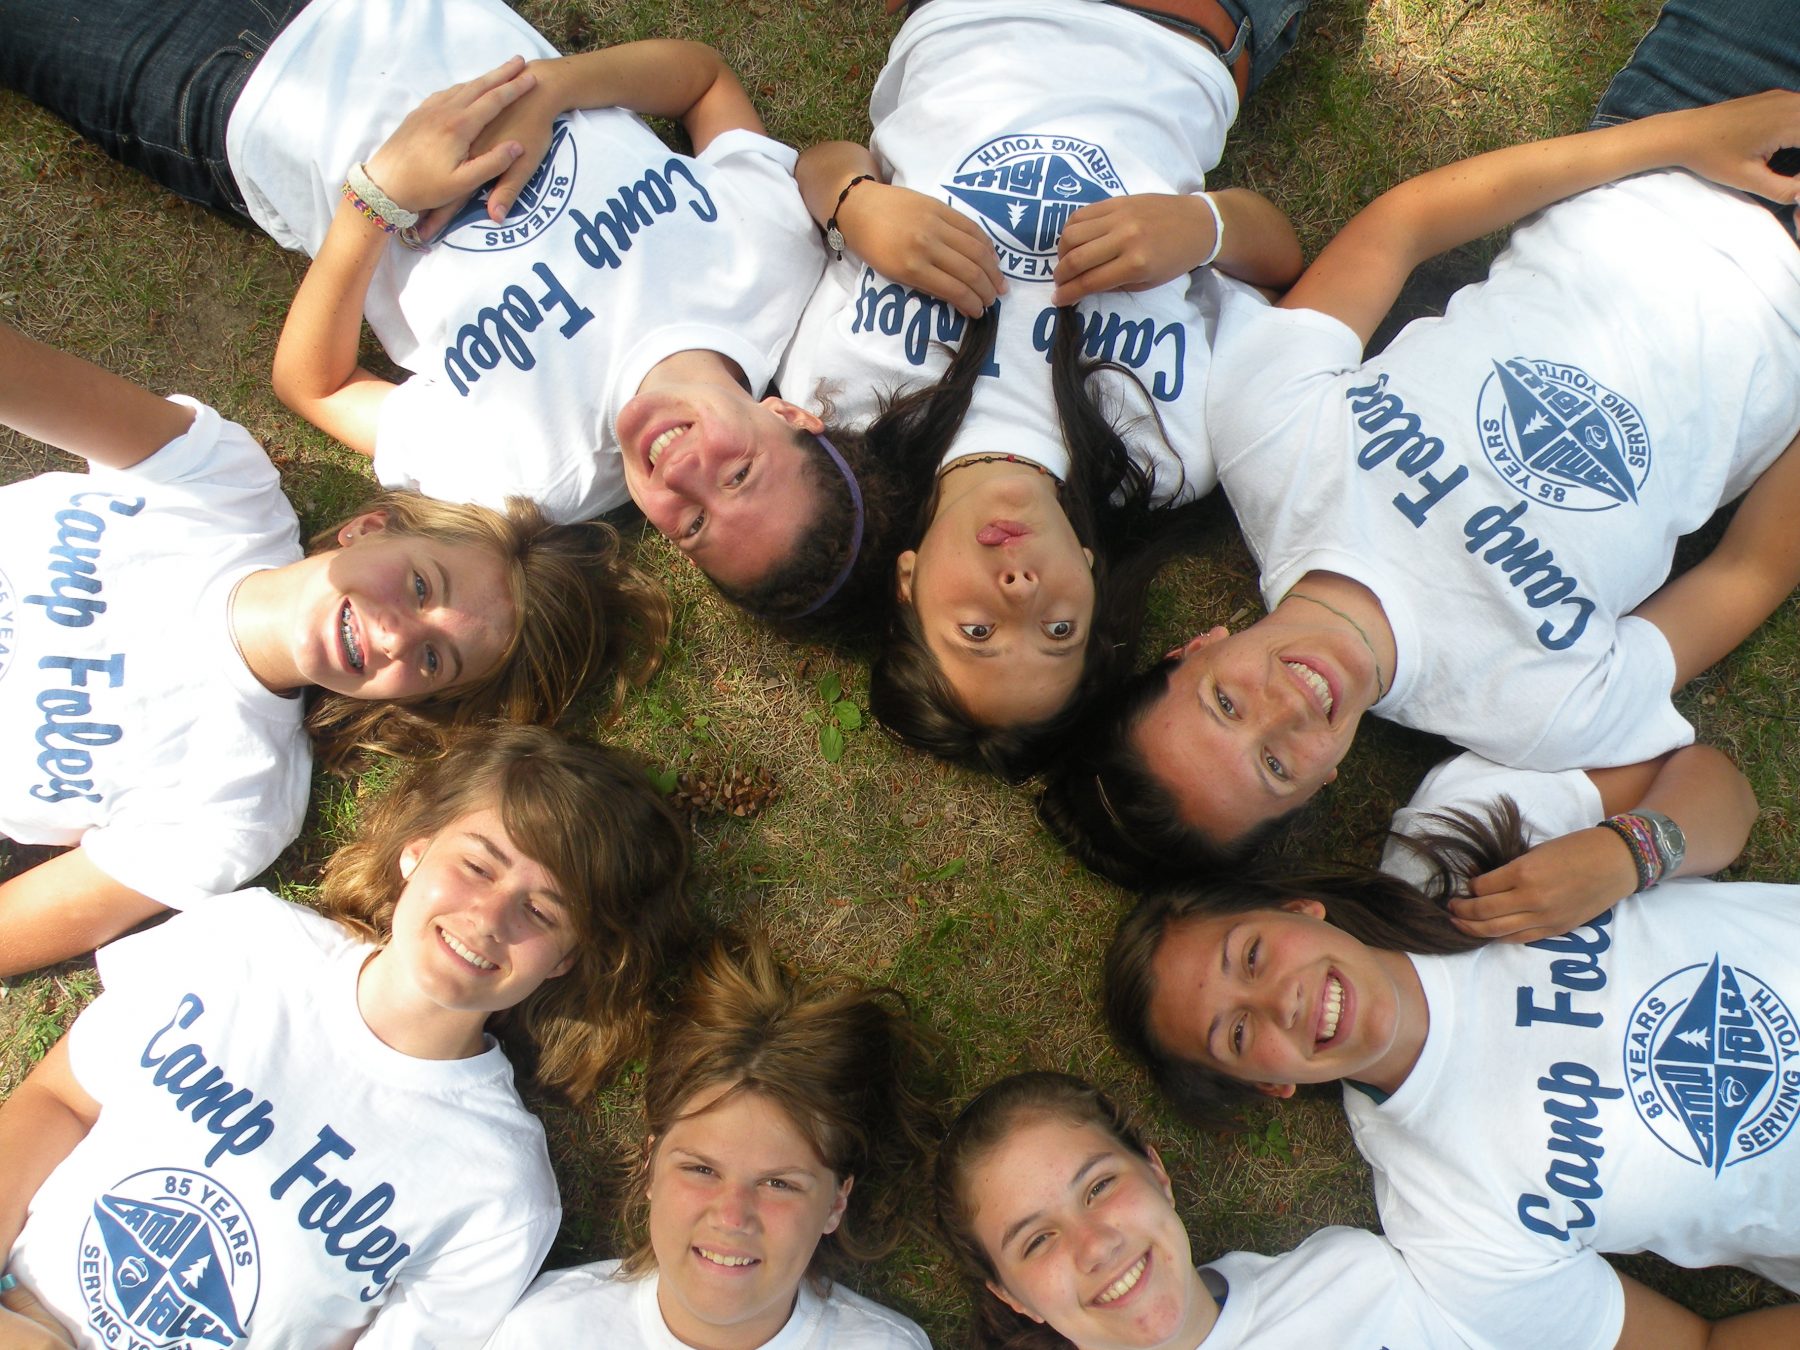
1671 843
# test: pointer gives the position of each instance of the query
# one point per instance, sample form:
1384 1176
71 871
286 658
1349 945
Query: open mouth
347 640
725 1259
998 532
1125 1283
663 441
466 954
1316 684
1331 1011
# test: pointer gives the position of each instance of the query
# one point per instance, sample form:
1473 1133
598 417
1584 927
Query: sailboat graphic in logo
1562 438
181 1265
1025 188
1712 1042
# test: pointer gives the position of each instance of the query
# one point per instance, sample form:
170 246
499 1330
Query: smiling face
478 927
1276 997
720 475
394 616
1004 593
738 1203
1083 1235
1254 723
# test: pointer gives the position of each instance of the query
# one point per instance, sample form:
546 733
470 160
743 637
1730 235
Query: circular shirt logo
1560 437
1024 188
544 199
1711 1063
169 1259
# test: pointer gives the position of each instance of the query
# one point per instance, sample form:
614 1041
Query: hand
430 160
26 1324
909 238
1557 886
1731 142
528 121
1131 244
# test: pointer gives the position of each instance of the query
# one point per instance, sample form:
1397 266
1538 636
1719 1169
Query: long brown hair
984 1124
1377 909
844 1060
581 614
619 855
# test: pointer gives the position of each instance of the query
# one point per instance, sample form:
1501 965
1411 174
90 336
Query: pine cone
737 792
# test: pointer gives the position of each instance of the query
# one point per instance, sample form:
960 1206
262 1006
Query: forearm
316 357
663 77
40 1125
824 170
76 406
63 908
1259 245
1697 787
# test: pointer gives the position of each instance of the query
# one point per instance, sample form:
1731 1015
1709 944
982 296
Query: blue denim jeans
152 82
1707 51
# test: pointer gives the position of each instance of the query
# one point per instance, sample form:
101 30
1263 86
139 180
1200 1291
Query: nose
396 629
1279 1001
1098 1243
1016 583
735 1209
681 471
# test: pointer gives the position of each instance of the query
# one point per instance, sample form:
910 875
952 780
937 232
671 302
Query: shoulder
563 1307
849 1321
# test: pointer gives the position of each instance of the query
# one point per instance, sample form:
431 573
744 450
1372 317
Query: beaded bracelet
834 237
1218 230
1641 840
381 210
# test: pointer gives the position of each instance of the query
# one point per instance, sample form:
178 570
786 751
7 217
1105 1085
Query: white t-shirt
1510 479
132 725
564 1308
1017 114
524 339
1630 1086
1342 1287
265 1169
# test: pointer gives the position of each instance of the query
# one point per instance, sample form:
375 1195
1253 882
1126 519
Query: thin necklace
967 460
1381 686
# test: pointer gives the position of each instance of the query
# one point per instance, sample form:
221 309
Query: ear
1313 909
410 855
838 1204
1279 1091
794 415
369 522
1198 641
903 574
563 966
1088 553
1160 1172
1331 777
649 1163
999 1292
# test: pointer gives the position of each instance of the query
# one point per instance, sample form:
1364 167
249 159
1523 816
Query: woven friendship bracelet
381 210
1641 840
1218 229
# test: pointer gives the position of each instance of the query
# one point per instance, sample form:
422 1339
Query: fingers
1503 924
974 249
1115 275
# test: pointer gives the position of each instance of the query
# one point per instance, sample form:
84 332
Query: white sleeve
1619 712
1574 1303
460 1296
1269 367
1550 804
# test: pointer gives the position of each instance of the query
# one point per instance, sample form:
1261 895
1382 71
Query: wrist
1209 214
833 227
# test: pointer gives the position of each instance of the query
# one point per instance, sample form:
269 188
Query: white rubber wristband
1218 230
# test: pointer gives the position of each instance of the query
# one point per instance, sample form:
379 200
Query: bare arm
76 406
1564 882
425 164
1653 1322
904 235
1360 273
40 1124
1713 606
63 908
1137 242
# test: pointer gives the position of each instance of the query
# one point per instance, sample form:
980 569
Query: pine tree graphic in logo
1710 1062
1024 188
180 1267
1562 438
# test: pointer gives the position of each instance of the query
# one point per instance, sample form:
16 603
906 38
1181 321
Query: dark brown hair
984 1124
619 855
1376 908
844 1060
581 614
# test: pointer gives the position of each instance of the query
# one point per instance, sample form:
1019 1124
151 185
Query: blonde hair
619 855
581 613
843 1059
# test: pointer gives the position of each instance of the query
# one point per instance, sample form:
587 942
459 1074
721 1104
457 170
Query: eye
737 479
420 589
546 917
1226 706
1237 1037
1060 629
976 632
1099 1188
694 525
1251 955
697 1169
781 1184
475 868
1275 767
432 663
1032 1243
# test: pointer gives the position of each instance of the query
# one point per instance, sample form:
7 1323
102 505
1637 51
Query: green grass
855 864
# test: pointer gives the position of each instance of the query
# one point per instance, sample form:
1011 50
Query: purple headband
856 532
